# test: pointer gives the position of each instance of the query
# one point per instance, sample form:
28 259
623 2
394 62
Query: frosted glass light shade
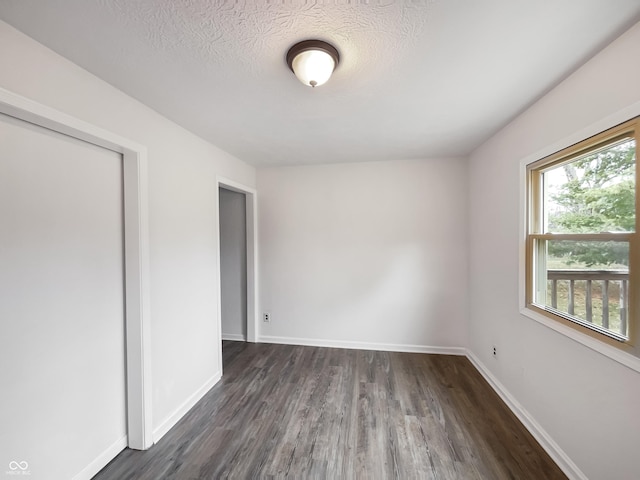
313 61
313 67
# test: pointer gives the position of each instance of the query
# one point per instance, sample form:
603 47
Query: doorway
233 264
237 299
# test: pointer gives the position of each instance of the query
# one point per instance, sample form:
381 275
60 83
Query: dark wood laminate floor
306 412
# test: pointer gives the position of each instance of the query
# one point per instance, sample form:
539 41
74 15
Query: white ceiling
417 78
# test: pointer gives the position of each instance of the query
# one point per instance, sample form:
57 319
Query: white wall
585 401
233 264
365 254
183 203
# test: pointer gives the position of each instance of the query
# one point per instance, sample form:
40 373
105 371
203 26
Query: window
582 247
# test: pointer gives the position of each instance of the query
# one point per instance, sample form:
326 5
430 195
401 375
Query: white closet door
62 359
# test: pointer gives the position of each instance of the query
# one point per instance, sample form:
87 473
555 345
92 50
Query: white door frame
136 251
252 257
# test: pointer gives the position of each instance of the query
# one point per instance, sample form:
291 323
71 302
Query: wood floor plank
284 411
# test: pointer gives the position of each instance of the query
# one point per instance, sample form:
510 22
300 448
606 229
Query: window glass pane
585 281
594 193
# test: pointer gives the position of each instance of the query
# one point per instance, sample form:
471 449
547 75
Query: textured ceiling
417 79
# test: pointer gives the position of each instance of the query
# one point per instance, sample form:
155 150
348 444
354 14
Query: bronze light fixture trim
313 61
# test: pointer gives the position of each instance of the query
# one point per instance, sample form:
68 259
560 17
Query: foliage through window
582 246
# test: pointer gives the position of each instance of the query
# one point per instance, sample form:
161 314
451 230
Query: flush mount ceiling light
313 61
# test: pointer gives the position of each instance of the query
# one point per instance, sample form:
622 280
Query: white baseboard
385 347
236 337
182 410
563 461
101 460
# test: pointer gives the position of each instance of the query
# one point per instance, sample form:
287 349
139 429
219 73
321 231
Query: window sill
624 358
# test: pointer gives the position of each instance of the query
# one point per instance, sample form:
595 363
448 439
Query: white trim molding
169 422
382 347
542 437
102 460
136 240
234 337
615 354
